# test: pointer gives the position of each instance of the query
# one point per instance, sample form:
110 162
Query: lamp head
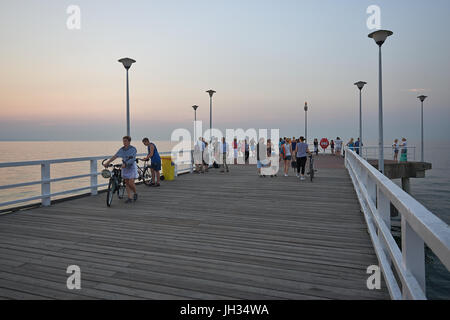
306 106
360 84
380 36
211 92
422 98
127 62
194 107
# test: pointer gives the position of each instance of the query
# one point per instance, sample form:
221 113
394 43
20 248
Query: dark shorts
288 158
156 166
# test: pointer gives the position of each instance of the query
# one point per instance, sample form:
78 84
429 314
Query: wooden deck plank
224 236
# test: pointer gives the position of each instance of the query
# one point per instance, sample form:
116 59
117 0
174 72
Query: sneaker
135 197
286 175
302 178
157 185
129 200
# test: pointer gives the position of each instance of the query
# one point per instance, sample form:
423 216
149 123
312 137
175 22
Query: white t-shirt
338 144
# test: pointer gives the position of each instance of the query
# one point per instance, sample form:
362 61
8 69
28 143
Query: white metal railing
46 181
372 152
419 226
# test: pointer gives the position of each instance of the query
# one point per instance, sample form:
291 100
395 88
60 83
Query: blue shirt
128 156
155 158
302 147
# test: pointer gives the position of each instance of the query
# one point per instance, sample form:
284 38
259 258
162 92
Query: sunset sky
264 59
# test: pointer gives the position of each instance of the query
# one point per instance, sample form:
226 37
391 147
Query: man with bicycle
129 168
155 165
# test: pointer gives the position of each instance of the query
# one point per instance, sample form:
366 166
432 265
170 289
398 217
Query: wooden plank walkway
210 236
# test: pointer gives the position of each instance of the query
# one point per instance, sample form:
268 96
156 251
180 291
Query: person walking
332 147
301 152
247 151
338 146
235 150
206 157
198 155
252 147
293 146
287 155
316 146
261 155
224 151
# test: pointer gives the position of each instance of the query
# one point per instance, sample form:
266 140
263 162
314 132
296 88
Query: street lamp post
127 62
380 37
211 93
306 121
195 121
360 85
422 154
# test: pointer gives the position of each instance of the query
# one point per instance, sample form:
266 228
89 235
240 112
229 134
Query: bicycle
311 167
116 183
145 173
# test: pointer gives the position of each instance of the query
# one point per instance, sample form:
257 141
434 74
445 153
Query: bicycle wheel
121 190
147 176
311 174
111 190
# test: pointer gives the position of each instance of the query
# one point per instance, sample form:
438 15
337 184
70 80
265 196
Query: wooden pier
201 236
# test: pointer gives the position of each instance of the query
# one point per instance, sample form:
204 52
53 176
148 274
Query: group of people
293 152
129 165
396 146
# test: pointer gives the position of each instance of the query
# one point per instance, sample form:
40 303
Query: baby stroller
270 166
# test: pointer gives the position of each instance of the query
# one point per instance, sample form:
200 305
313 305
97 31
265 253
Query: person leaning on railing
129 168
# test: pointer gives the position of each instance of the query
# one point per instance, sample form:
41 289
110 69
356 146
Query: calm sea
433 191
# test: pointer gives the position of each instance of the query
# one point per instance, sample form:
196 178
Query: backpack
283 151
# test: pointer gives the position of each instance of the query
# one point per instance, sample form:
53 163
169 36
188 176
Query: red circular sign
324 143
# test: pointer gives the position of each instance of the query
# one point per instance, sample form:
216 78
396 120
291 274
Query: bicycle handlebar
111 165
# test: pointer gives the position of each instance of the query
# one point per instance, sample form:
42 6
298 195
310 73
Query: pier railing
419 226
46 195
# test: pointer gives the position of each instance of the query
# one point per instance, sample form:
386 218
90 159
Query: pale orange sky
264 59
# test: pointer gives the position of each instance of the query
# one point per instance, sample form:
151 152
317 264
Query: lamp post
211 93
127 62
195 121
306 121
360 85
422 99
380 37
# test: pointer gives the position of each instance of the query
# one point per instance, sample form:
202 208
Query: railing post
413 252
191 169
94 189
384 210
45 184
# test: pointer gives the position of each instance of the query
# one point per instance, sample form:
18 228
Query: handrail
419 226
45 181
